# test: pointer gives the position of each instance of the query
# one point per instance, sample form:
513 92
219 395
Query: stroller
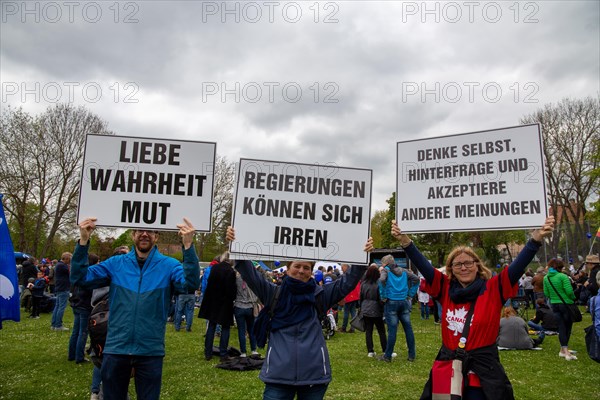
47 303
328 324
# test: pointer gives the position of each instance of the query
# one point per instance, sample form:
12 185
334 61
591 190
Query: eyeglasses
147 232
466 264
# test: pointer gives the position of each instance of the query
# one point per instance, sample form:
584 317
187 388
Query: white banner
488 180
301 211
134 182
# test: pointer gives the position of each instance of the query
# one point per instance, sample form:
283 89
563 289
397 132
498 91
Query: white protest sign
134 182
488 180
301 211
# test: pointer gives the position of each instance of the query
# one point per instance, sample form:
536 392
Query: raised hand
187 232
86 227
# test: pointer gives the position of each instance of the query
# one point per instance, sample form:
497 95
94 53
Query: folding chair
519 303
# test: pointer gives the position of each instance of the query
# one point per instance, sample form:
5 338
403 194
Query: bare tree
571 131
224 176
42 170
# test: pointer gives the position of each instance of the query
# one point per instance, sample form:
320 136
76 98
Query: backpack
97 329
592 341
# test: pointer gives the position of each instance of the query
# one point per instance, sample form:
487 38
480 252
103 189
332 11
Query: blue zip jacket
397 283
139 298
297 354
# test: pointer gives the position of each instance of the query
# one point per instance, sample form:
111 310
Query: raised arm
191 269
81 274
340 288
256 282
517 267
424 266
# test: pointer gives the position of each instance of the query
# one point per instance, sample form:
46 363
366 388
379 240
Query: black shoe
208 358
411 359
384 358
85 360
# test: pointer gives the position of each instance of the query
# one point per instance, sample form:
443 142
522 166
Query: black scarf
296 303
459 294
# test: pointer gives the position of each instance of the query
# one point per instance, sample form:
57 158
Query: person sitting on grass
513 332
544 320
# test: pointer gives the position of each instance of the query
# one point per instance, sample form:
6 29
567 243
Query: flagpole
594 241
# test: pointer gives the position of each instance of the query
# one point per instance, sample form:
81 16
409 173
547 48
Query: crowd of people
461 296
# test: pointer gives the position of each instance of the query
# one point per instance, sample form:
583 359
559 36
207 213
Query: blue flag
9 288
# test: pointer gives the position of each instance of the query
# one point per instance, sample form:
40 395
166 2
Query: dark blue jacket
61 277
297 355
38 287
139 298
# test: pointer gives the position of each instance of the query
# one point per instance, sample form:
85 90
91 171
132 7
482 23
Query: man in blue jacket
396 287
140 293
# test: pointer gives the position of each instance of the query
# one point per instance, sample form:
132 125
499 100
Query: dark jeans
380 325
35 306
349 311
79 335
288 392
116 373
96 380
244 317
210 337
540 329
565 324
62 298
185 305
436 311
399 311
530 295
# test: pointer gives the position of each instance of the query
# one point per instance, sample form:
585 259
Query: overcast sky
311 82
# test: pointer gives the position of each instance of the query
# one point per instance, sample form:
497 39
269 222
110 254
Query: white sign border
477 229
133 226
256 256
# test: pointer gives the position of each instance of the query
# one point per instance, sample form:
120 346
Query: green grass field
33 365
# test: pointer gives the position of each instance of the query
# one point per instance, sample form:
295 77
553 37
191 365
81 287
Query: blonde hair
482 271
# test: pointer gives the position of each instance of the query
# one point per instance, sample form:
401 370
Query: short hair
93 259
121 250
540 301
311 263
388 260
